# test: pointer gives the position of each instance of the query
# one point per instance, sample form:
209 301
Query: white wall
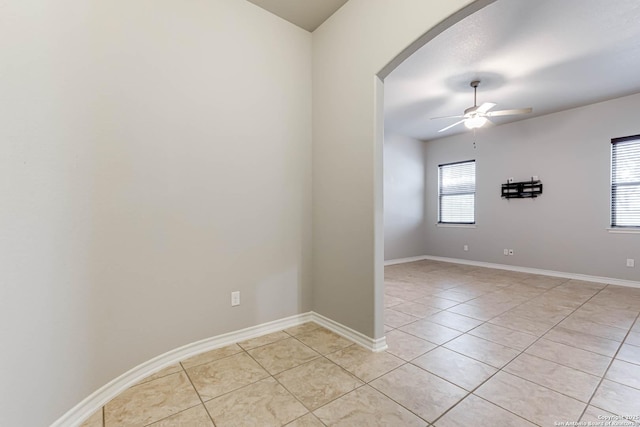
348 51
565 229
404 197
154 156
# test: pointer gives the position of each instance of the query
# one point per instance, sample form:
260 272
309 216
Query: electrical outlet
510 252
235 298
465 247
506 251
631 262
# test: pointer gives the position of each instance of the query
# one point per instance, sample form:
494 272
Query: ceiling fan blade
447 117
509 112
485 107
450 126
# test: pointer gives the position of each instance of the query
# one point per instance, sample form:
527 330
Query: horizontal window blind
457 193
625 182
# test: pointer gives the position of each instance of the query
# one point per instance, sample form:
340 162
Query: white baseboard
83 410
375 345
575 276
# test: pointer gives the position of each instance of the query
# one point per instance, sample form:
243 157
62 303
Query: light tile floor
468 346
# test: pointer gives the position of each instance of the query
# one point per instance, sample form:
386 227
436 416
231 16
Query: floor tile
172 369
364 363
480 349
454 321
618 317
407 346
596 415
588 327
512 321
193 417
417 310
265 403
422 393
318 382
455 296
633 338
583 341
395 319
263 340
617 398
366 407
536 311
94 420
625 373
629 353
281 355
533 402
572 357
441 303
302 329
456 368
482 313
505 336
222 376
152 401
430 331
477 412
390 301
498 299
324 341
308 420
544 282
565 380
210 356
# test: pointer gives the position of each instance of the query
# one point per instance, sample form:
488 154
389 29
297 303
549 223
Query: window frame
614 185
440 195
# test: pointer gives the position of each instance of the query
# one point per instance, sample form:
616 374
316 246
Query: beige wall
154 157
565 229
349 50
404 197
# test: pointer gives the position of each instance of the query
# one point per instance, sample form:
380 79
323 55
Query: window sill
622 230
439 224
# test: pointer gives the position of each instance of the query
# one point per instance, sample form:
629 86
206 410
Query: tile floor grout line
595 390
523 351
197 393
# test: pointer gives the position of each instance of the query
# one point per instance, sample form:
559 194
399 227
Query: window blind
457 193
625 182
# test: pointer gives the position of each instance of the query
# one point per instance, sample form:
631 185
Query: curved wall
154 157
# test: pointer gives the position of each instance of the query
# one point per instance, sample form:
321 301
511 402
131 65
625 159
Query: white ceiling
547 54
307 14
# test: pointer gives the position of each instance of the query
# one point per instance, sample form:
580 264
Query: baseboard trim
83 410
575 276
375 345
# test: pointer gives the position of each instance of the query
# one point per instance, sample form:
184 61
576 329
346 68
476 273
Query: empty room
319 213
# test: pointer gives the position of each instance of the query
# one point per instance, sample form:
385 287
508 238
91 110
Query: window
625 181
457 193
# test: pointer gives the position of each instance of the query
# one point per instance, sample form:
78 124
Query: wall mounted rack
522 190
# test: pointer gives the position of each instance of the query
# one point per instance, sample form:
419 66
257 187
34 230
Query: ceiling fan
476 116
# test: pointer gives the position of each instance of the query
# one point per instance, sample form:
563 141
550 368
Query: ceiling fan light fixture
475 122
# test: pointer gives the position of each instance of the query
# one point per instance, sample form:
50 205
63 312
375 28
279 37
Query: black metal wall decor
522 190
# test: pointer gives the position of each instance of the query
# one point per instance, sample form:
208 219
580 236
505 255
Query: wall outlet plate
506 251
465 247
235 298
631 262
510 251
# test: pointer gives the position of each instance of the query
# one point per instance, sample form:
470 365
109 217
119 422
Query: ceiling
547 54
307 14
